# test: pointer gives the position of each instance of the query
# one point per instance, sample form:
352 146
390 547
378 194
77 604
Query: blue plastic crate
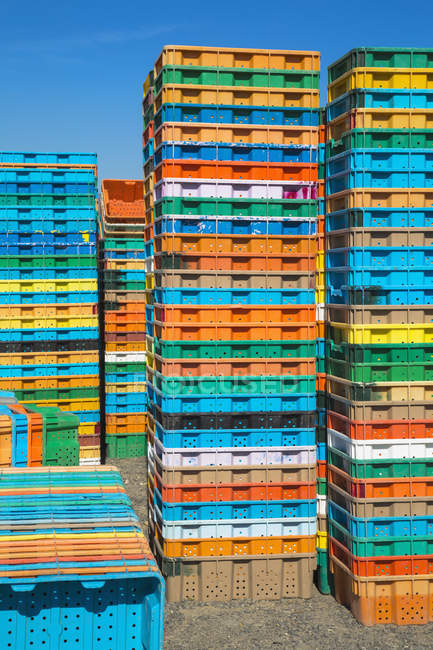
47 188
28 248
320 347
47 298
383 257
50 334
322 451
235 437
82 177
234 509
234 296
51 238
381 526
19 436
226 114
123 377
235 152
234 226
379 98
370 277
419 160
87 416
378 179
234 403
47 225
46 273
380 218
50 370
42 158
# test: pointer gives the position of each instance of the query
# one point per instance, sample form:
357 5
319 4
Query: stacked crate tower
49 338
321 440
123 301
380 332
232 332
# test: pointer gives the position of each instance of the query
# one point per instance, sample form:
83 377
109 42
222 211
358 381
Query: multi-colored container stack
123 294
321 440
232 332
77 570
380 336
48 286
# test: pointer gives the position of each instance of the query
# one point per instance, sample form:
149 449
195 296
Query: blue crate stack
49 338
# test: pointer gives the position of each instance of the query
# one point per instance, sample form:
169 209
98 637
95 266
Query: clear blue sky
71 72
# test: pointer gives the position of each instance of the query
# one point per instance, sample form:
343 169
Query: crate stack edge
379 347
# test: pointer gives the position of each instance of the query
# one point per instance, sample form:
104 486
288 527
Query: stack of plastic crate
123 299
232 333
321 440
77 570
380 249
48 286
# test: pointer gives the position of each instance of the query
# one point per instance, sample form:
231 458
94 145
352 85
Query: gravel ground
249 625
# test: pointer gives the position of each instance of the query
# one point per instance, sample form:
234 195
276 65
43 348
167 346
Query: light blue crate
378 179
48 298
50 334
370 277
420 160
377 295
380 218
381 526
49 370
42 158
235 437
235 296
379 98
383 257
235 403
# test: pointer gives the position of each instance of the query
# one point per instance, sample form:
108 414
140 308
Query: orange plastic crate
400 600
123 198
380 488
300 172
292 314
380 429
35 435
237 244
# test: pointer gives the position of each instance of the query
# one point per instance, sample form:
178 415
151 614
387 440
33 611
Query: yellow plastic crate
67 404
88 428
320 296
322 541
90 452
320 261
47 285
41 323
385 334
388 78
150 281
235 96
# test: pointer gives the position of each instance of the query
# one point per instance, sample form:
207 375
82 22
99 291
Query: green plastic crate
60 436
321 486
381 57
135 367
251 77
41 394
366 469
398 353
368 373
381 139
324 577
233 385
126 445
235 207
235 349
47 261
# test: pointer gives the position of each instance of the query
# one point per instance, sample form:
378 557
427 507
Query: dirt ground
317 623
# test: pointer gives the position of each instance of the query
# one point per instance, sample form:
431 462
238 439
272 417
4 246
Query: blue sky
71 72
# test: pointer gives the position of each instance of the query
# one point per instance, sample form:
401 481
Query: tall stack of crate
123 302
49 339
232 332
380 251
321 440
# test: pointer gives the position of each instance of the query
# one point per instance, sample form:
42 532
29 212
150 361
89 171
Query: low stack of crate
232 333
321 441
123 300
48 286
379 257
77 571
